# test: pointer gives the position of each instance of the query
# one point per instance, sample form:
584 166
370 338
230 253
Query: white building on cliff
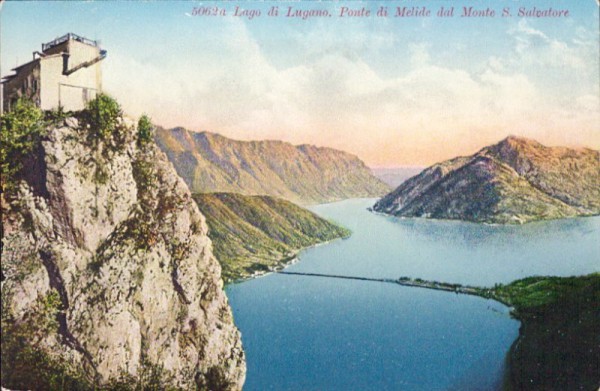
65 73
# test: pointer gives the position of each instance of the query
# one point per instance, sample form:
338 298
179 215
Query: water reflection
473 234
453 251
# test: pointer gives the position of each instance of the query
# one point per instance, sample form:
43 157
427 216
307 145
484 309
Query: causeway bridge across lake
415 283
390 280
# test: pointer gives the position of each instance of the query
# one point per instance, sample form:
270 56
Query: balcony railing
65 38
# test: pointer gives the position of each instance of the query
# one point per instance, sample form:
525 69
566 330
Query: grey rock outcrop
109 280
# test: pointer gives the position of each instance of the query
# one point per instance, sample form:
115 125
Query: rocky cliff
515 181
254 234
304 174
108 277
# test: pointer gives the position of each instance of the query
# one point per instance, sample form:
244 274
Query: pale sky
394 91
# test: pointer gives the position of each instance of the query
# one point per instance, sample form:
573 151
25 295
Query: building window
35 85
85 95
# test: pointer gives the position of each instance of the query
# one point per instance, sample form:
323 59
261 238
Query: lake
314 333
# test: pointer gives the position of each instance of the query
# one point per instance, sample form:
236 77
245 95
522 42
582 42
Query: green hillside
559 344
257 233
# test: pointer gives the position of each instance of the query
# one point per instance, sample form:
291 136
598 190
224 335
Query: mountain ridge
516 180
305 174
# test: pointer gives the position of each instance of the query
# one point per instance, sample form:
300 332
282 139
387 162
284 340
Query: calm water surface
311 333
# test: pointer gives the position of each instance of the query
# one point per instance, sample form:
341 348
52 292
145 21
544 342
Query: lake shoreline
282 264
513 223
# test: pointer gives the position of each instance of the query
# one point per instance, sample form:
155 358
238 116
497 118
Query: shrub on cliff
102 116
145 130
21 131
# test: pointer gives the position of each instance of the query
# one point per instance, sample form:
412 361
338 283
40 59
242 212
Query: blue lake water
312 333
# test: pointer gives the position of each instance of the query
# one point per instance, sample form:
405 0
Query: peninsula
512 182
253 235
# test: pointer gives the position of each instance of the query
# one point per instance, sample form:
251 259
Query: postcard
300 195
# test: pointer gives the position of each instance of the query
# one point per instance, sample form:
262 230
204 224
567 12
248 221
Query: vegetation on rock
102 115
21 130
25 362
145 130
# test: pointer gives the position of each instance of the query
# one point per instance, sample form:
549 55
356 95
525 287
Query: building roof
8 78
16 69
68 37
51 44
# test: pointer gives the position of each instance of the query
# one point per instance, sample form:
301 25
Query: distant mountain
394 176
257 233
515 181
304 174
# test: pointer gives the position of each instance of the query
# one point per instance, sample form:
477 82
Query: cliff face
108 274
304 174
515 181
257 233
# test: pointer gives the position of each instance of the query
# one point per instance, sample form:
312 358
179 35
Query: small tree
21 130
145 130
102 115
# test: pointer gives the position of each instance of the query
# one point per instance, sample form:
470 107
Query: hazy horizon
396 92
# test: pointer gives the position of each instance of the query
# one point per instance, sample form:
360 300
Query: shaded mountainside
559 344
304 174
108 276
515 181
259 233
